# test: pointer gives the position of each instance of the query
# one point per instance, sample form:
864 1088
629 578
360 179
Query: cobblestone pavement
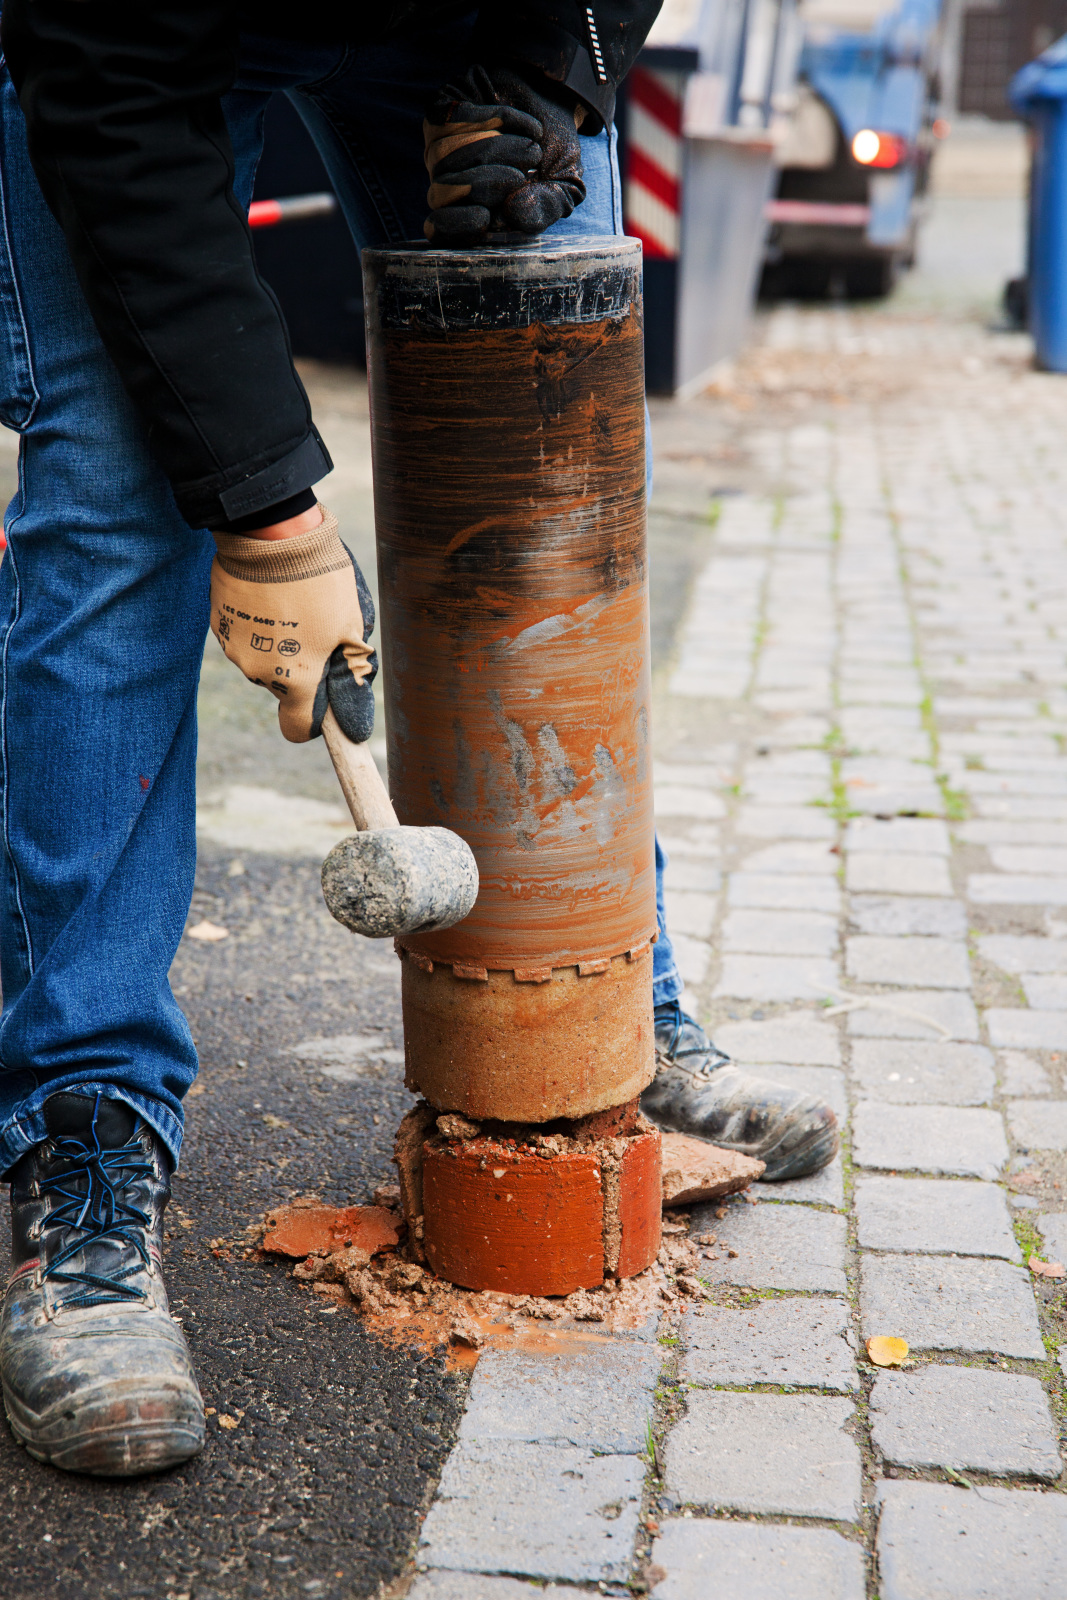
860 637
863 790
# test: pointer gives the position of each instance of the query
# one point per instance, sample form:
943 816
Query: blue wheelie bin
1039 93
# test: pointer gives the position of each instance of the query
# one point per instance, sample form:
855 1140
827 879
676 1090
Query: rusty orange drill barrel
507 416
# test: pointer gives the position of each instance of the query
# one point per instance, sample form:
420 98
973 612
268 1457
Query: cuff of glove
305 555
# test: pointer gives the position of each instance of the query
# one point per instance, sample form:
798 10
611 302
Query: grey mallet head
390 881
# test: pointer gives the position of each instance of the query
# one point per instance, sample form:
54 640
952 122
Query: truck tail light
872 149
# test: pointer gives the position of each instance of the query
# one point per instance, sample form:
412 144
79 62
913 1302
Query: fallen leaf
887 1352
209 932
228 1422
271 1121
1047 1269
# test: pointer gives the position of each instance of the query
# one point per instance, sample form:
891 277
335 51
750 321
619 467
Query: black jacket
127 137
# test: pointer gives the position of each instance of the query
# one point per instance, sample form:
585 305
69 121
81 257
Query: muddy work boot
698 1090
97 1375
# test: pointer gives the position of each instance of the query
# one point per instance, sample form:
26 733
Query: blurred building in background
987 41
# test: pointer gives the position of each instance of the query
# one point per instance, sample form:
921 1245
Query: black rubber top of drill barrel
510 285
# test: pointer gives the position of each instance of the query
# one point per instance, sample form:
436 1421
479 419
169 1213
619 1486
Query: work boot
97 1374
698 1090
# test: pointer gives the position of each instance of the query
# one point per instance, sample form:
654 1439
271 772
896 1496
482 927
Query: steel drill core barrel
507 415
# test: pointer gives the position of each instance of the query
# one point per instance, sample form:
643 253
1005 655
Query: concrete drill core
539 1209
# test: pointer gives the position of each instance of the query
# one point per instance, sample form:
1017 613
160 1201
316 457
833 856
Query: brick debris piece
305 1228
694 1170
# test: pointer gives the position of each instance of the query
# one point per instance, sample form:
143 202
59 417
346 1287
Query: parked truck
855 157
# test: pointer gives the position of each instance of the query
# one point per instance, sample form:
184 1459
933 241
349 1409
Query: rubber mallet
388 879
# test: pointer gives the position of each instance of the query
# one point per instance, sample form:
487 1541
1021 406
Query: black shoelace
671 1012
94 1208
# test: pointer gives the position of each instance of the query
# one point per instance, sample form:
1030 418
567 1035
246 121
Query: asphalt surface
320 1488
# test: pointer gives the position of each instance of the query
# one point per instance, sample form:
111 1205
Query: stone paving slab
674 800
1045 991
792 933
599 1397
1021 1074
793 858
1053 1227
922 1073
955 1140
933 1216
944 1303
802 1342
702 1559
797 1039
894 873
1029 859
935 963
691 911
1027 1030
901 835
686 872
1039 1124
900 915
442 1585
825 1188
780 1453
902 1016
779 1247
778 891
785 822
1024 952
962 1417
541 1510
940 1543
776 977
1013 889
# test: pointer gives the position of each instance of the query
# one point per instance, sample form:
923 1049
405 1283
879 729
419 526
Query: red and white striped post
652 181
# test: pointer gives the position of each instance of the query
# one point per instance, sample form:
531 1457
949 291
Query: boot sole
803 1160
160 1429
806 1159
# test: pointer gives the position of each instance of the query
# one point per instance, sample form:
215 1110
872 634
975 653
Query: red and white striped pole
652 181
294 208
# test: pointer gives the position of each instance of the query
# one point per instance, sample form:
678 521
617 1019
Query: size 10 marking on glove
594 45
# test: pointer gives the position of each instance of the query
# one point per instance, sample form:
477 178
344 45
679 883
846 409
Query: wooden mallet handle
365 793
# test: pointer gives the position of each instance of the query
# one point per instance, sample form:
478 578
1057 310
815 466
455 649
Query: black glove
501 158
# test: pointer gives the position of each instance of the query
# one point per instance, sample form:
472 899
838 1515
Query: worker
168 466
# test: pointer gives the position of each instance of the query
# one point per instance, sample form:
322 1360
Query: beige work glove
294 615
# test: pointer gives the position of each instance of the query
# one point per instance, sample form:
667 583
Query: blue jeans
104 609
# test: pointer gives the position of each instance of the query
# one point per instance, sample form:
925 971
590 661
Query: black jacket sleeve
127 137
586 48
122 100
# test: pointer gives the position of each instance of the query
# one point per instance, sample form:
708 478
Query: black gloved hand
501 158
